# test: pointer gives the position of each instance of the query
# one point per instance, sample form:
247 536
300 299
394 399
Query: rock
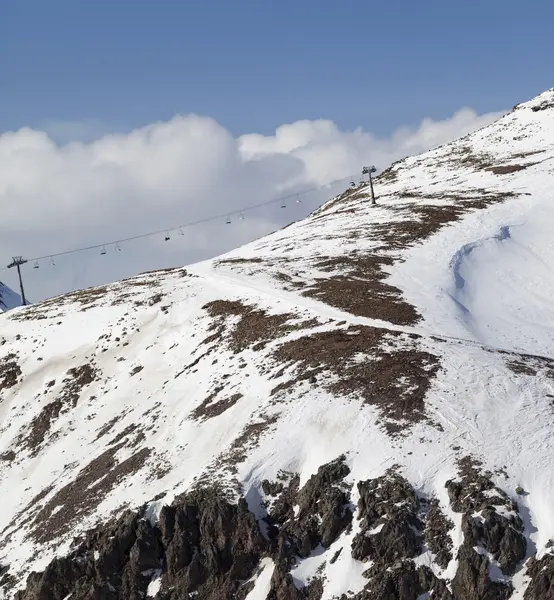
541 573
323 508
388 503
472 581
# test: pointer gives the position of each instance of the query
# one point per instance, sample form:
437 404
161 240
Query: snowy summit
8 298
360 405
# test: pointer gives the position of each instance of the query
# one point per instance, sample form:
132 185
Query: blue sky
254 65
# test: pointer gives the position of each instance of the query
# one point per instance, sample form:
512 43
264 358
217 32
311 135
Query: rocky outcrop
323 511
203 545
541 574
490 523
390 528
208 547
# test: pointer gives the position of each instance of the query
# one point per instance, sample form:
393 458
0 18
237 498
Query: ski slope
405 336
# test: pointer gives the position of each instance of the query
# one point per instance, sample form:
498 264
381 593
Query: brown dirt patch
68 397
255 327
209 409
10 371
86 298
107 427
238 261
360 289
506 169
80 497
358 283
249 438
394 380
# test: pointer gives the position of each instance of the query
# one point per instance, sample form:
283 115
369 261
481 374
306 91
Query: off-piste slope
357 406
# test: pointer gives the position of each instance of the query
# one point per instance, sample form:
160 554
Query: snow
262 583
155 584
481 283
8 298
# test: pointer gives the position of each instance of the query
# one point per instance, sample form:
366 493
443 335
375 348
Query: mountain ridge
261 425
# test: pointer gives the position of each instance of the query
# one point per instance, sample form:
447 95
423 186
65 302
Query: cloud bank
54 196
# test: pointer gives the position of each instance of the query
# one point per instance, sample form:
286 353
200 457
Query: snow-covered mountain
360 405
8 298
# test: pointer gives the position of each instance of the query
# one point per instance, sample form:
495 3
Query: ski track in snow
481 284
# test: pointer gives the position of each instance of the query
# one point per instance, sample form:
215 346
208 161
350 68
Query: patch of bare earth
395 380
81 497
524 364
359 287
254 327
358 281
249 438
68 397
211 408
10 371
87 299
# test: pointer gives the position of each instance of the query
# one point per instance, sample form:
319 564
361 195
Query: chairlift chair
228 221
103 251
284 204
36 265
167 238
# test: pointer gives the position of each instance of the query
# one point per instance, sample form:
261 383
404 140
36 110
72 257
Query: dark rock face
323 508
436 534
210 545
483 526
108 564
390 506
209 548
203 545
541 573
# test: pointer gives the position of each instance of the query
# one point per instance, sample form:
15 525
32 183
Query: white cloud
54 196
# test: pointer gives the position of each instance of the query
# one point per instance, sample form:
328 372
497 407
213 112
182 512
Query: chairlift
228 221
103 251
241 216
52 263
352 184
284 204
167 238
181 232
36 265
298 201
117 247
